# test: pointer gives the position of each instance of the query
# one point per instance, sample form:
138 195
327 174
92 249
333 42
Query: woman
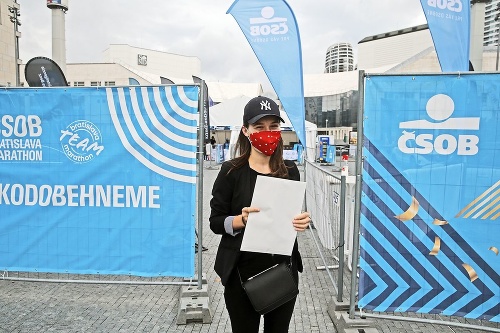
231 198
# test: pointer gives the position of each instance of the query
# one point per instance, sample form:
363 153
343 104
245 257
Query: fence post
357 204
199 184
340 280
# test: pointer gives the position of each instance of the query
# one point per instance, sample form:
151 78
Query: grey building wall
8 61
490 25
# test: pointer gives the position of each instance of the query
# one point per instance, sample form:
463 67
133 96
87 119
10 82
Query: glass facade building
338 110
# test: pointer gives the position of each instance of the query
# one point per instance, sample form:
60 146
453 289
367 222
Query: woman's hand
301 221
245 211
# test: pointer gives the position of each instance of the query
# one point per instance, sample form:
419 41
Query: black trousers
244 319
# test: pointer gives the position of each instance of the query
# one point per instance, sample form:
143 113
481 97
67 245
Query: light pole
14 18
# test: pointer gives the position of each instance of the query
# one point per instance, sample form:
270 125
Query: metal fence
330 201
324 199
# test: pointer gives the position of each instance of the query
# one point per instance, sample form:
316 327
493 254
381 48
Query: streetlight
14 18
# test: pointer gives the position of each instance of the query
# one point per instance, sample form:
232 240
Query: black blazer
231 192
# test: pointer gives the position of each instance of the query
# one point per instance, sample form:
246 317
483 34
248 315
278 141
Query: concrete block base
344 324
361 330
195 279
335 305
194 304
194 309
190 291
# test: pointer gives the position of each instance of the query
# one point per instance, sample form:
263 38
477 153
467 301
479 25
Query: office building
9 38
491 25
124 65
332 99
339 58
394 47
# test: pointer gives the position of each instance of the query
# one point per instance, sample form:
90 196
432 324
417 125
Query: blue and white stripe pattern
158 126
397 272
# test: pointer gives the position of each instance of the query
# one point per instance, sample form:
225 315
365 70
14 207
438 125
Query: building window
78 84
109 83
95 83
142 59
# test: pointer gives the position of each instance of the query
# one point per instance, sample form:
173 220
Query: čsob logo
451 5
268 24
440 108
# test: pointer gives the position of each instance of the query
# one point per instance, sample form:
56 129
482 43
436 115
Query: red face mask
265 141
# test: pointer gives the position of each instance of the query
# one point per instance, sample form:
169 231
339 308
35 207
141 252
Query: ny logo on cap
265 105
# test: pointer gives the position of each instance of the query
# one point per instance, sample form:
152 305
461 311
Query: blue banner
430 213
300 152
324 142
449 24
98 180
271 29
219 157
330 154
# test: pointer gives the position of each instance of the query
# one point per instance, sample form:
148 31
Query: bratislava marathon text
20 150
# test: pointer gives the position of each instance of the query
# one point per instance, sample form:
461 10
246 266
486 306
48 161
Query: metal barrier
323 203
102 278
332 221
95 278
323 199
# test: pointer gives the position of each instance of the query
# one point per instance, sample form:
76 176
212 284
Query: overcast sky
202 28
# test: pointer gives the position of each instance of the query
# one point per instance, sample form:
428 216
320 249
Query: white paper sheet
271 230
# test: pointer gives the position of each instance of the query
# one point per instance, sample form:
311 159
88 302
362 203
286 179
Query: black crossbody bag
271 288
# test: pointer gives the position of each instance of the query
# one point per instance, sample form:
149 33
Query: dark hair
243 146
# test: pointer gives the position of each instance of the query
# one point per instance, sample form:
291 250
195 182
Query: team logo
81 141
265 105
267 24
440 109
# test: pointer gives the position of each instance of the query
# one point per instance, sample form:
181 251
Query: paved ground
77 307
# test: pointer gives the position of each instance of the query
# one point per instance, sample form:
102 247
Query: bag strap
239 275
290 261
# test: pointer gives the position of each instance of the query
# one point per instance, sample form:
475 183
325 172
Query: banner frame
54 277
357 218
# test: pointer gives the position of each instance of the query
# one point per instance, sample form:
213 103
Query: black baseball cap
259 107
